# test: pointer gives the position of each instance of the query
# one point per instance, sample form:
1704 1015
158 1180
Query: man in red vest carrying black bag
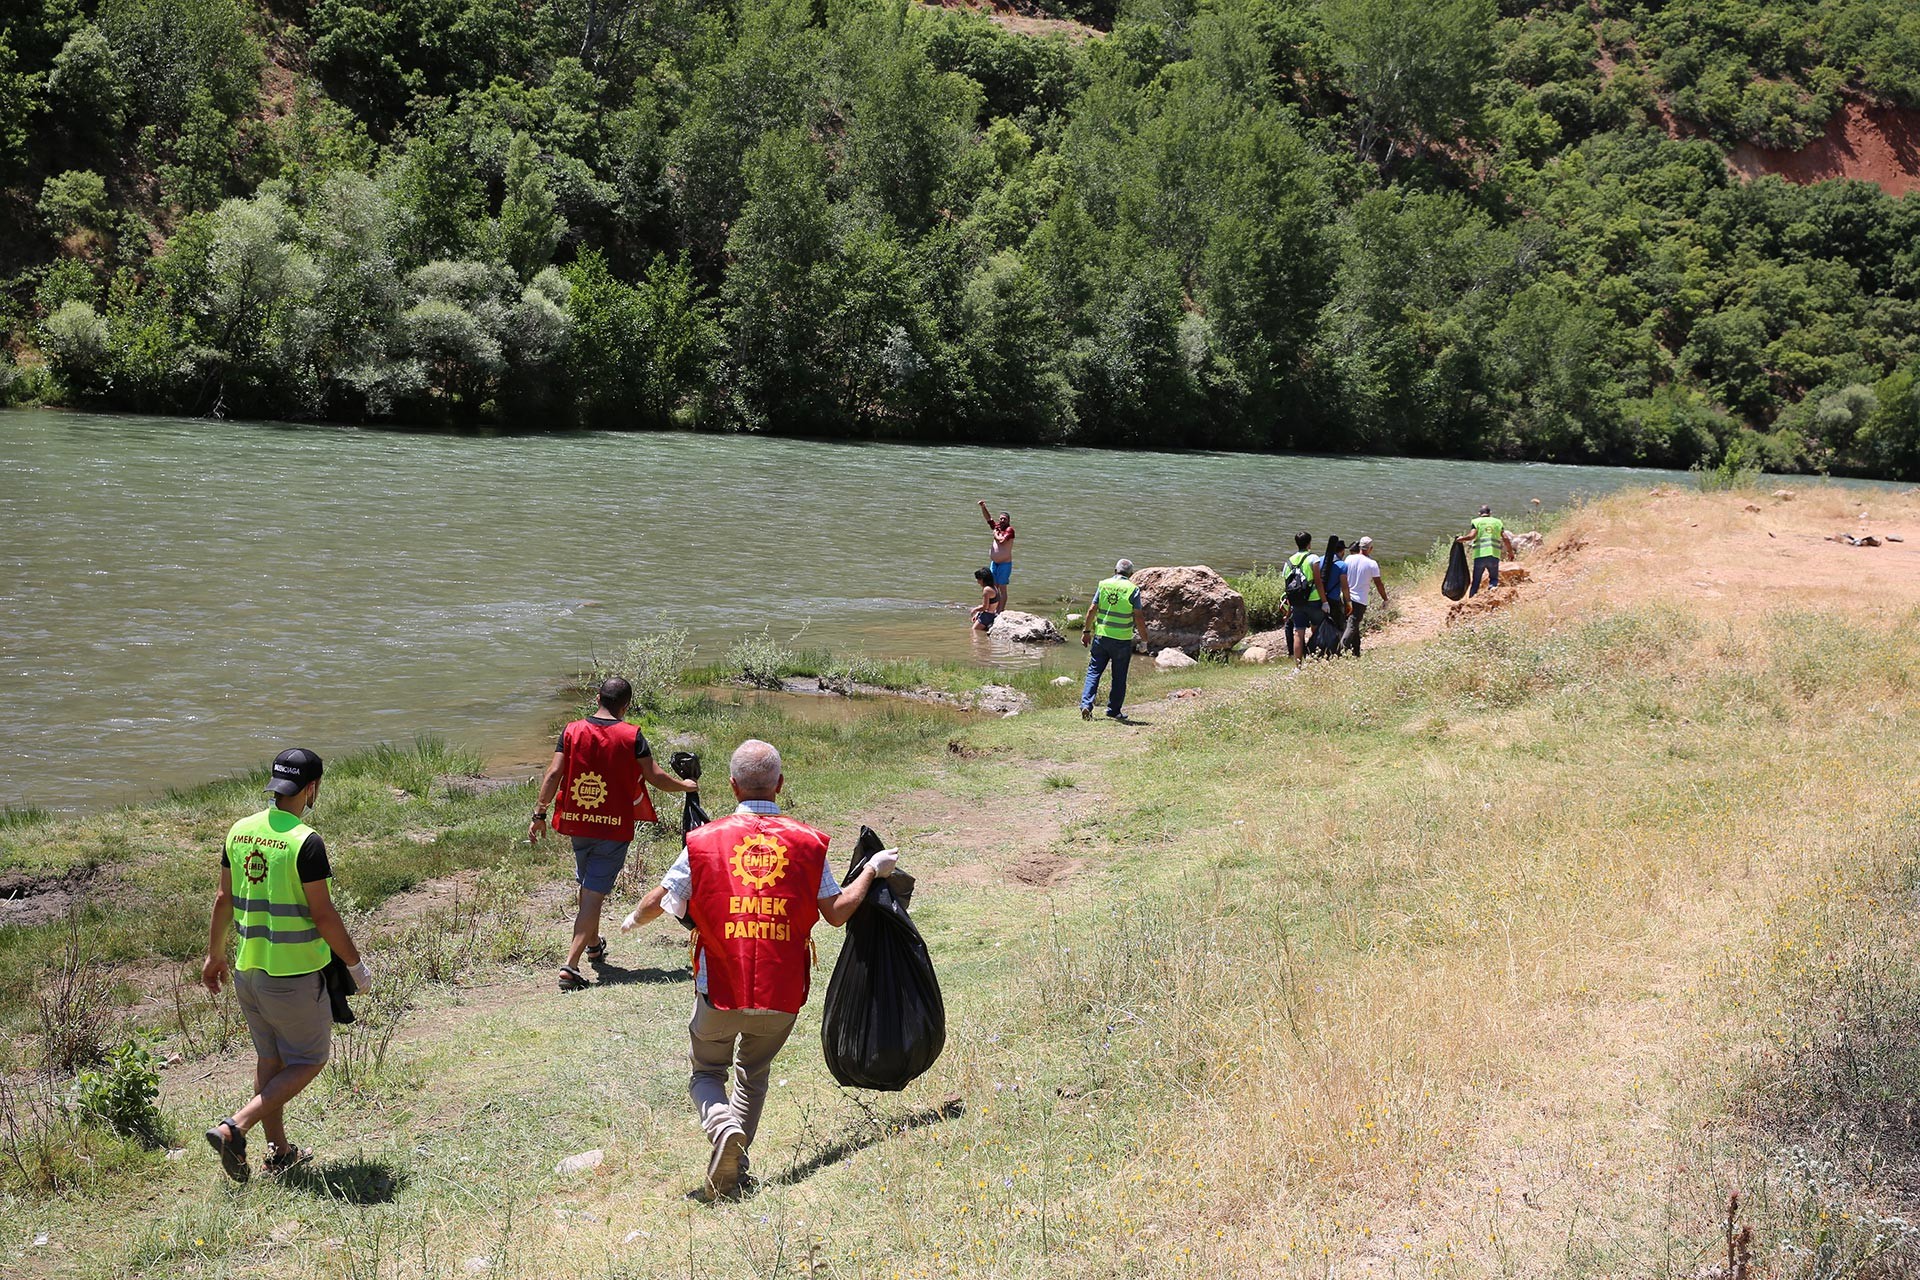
753 882
597 787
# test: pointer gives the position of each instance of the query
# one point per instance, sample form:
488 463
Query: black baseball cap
292 770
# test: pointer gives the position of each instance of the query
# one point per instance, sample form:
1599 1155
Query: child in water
992 601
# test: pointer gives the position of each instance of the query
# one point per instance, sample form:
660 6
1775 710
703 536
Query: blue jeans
1488 565
1099 654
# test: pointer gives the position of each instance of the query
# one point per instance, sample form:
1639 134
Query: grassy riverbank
1513 948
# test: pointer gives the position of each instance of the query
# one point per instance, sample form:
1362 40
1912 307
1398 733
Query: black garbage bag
884 1022
1454 585
692 813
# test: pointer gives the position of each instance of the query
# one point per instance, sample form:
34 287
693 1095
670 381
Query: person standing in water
1000 559
992 601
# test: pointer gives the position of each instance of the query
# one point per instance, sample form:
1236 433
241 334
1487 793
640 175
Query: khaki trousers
730 1040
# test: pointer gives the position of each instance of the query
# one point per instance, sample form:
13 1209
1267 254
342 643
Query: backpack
1299 580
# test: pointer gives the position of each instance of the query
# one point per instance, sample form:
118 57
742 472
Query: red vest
756 894
601 794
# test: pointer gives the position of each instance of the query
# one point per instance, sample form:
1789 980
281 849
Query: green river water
178 599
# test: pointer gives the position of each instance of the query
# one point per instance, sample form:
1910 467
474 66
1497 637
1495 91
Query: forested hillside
1448 227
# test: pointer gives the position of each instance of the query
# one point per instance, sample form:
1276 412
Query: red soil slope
1877 144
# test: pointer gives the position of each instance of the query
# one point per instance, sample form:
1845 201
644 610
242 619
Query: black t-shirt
640 748
312 864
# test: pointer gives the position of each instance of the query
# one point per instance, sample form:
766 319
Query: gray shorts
291 1019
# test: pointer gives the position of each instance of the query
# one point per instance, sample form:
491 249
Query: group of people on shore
751 885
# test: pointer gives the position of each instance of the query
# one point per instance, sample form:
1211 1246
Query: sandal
597 953
570 980
231 1146
279 1162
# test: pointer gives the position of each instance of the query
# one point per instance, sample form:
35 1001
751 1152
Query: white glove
884 862
632 921
362 976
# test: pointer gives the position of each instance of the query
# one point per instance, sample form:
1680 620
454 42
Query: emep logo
589 790
254 866
758 861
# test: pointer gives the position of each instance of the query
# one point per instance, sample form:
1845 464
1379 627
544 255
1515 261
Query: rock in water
1027 628
1172 660
581 1163
1191 609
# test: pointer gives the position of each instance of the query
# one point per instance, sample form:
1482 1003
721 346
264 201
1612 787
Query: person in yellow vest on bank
1111 623
274 887
1489 538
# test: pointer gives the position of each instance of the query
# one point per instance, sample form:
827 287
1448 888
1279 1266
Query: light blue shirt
678 882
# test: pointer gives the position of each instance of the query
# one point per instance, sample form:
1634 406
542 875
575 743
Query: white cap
1365 543
1123 567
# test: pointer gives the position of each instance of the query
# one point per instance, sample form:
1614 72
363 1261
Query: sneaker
723 1169
1118 717
1086 713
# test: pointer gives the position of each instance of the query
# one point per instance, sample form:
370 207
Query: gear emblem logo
254 867
758 861
589 790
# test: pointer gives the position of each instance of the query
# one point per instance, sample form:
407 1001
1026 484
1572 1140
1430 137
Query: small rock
1529 540
1063 679
1511 572
1894 537
1075 619
999 699
1255 654
1173 660
176 1153
475 1266
40 1241
1783 495
582 1162
1751 506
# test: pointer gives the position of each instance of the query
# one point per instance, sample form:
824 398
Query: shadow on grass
613 975
870 1129
355 1181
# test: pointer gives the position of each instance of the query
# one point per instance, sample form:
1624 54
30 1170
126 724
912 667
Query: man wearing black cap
274 880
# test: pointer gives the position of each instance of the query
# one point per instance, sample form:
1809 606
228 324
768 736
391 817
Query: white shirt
1361 570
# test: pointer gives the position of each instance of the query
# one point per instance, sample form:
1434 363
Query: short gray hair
755 766
1124 568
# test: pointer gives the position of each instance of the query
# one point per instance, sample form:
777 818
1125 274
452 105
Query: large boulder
1026 628
1191 609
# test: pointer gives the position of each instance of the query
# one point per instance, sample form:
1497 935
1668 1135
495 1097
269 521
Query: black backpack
1299 581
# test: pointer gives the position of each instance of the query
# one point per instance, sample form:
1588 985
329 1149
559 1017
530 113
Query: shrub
73 1009
120 1094
759 660
1265 591
73 201
1738 467
653 665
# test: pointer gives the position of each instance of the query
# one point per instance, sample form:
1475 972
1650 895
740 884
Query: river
179 599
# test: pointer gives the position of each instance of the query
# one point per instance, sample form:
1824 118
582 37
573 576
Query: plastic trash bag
692 813
1454 585
884 1022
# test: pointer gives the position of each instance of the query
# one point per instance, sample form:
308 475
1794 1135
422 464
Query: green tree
19 98
438 199
528 228
73 203
1415 70
84 89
